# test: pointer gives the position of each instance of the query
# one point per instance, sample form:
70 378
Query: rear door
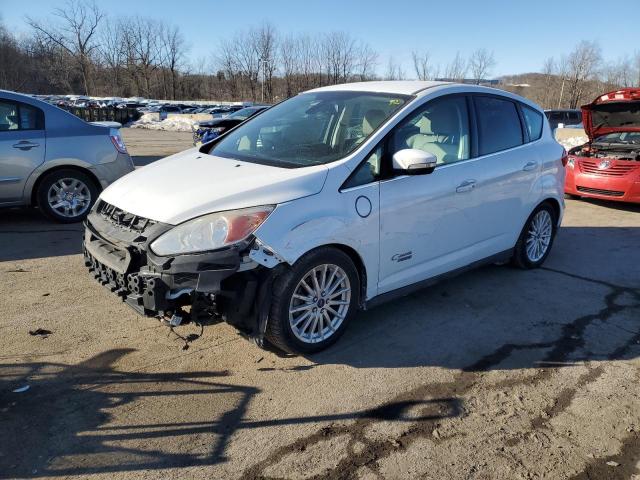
505 171
22 146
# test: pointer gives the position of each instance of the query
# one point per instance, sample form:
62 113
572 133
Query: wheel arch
359 264
36 185
557 208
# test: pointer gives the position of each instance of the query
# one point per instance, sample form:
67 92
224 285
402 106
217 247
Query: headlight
211 232
571 163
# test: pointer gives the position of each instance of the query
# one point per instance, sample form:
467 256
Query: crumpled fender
297 227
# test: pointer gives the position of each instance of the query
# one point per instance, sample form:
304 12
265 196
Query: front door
425 224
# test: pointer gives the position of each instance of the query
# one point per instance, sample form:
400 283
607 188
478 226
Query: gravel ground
496 374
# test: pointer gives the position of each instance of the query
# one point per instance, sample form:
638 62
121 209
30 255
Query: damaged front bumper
230 283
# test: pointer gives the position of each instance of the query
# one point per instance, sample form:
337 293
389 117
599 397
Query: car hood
191 183
612 112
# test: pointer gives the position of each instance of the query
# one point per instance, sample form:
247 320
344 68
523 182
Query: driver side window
441 128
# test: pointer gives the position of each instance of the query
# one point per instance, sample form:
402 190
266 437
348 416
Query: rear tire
307 319
536 238
66 195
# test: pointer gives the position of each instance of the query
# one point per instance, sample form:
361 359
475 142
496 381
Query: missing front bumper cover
206 287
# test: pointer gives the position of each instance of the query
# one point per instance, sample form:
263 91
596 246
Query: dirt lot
497 374
147 146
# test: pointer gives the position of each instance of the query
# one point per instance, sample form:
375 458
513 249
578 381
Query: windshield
309 129
631 138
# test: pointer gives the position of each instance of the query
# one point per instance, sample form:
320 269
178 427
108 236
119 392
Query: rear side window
498 124
20 116
9 119
31 118
533 120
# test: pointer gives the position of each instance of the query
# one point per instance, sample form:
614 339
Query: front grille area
618 170
123 219
599 191
145 293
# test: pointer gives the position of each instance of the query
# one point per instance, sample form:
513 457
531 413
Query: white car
330 202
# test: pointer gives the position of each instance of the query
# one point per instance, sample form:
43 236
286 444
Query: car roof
399 87
421 88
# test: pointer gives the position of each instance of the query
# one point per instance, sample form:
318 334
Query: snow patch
570 142
174 123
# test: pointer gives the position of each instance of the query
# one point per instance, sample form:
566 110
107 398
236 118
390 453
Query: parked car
332 201
207 130
565 117
170 109
53 159
608 165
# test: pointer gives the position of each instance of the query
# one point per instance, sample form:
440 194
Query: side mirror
412 161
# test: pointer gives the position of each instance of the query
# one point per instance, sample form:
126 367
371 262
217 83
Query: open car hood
612 112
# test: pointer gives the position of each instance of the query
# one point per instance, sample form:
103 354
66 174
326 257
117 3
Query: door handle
25 145
530 166
466 186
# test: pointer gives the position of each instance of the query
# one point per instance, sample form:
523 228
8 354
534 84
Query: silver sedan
54 160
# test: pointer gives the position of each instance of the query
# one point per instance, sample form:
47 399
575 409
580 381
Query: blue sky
521 34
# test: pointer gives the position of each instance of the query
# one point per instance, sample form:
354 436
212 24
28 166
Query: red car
608 166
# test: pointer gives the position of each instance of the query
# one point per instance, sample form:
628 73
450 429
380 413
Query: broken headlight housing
211 232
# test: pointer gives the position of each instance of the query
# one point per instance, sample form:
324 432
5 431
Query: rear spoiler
107 124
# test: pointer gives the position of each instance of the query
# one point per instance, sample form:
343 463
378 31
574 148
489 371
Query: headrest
424 124
372 120
444 119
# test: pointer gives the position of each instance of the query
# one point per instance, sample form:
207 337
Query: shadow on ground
25 234
63 424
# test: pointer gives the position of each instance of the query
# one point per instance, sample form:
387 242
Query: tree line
80 49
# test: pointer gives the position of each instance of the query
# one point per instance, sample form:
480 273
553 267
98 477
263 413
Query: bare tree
421 65
13 61
310 52
229 67
481 63
339 51
112 51
618 74
144 41
582 64
394 70
75 32
368 59
248 60
457 69
289 56
173 53
265 41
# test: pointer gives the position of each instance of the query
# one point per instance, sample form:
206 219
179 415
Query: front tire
536 238
313 302
67 195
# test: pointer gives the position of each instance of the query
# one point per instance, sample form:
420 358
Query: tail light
117 141
565 157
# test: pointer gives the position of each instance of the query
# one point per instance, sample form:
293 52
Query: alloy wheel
320 303
69 197
539 236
